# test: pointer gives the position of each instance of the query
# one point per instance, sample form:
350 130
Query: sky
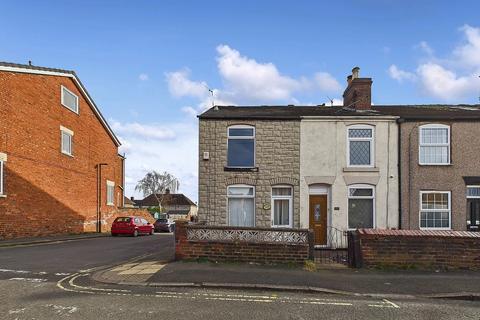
149 65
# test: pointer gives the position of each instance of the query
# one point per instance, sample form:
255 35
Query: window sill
68 154
110 205
435 164
361 169
235 169
3 195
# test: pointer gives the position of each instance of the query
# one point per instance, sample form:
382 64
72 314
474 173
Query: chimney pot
349 79
167 191
355 72
132 198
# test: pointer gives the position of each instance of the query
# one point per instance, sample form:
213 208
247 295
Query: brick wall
277 156
48 192
418 249
240 251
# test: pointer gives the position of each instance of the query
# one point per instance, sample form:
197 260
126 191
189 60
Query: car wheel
135 233
151 232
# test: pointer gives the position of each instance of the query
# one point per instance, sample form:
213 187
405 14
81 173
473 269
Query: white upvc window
66 143
435 210
434 144
282 206
241 205
110 192
69 99
2 177
360 146
361 206
241 146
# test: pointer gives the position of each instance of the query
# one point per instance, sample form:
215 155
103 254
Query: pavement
366 282
50 239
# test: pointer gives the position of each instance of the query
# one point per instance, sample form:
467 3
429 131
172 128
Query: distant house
176 205
128 202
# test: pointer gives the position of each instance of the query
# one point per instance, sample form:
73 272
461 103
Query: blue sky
147 63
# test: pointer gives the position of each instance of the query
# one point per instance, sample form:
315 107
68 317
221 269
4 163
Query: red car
132 226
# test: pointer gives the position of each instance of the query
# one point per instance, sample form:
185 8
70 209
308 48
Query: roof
170 199
407 112
129 201
25 68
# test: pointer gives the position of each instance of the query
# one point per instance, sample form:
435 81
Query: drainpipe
399 166
99 196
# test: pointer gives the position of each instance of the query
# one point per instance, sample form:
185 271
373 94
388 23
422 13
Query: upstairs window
241 147
110 192
360 146
66 141
282 206
434 144
69 100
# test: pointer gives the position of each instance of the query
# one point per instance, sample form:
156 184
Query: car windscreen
123 219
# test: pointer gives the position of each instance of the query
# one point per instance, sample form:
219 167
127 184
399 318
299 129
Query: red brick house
60 171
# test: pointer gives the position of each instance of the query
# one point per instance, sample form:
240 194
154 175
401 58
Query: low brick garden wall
423 249
236 244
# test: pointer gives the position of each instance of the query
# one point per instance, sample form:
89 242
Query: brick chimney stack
358 94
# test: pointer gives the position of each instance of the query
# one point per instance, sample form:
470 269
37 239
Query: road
53 282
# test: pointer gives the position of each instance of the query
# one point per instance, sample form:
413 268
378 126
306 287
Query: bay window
282 206
361 206
241 147
241 205
435 209
434 144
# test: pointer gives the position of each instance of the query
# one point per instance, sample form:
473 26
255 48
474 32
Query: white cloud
176 154
327 83
451 79
142 130
445 84
400 75
143 77
180 85
425 47
468 53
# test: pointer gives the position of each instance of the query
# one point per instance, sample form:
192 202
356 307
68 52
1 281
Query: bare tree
157 184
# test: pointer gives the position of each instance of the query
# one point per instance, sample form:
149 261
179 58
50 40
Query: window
361 204
1 177
435 210
434 144
282 206
241 205
69 100
473 207
360 146
66 141
110 192
241 147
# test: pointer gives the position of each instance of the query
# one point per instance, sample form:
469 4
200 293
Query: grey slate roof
407 112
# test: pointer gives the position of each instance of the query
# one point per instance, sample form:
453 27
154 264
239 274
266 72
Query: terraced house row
341 167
